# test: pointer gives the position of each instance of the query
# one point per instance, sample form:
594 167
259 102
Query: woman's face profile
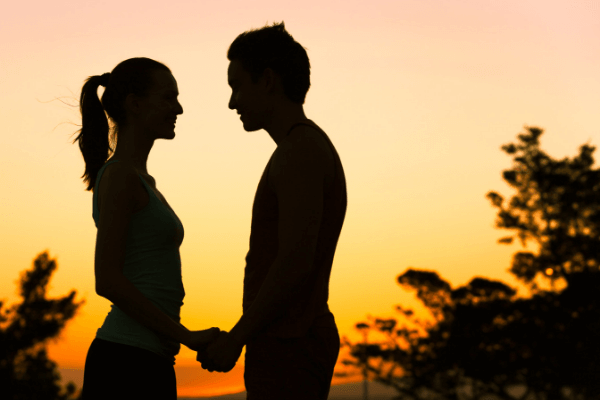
160 107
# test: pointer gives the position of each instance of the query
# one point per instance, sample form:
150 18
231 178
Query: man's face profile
245 97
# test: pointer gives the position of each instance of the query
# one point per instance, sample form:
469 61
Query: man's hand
222 354
199 340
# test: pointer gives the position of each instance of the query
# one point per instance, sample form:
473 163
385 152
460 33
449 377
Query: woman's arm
116 196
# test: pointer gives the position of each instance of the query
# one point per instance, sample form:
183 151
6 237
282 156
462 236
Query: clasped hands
217 349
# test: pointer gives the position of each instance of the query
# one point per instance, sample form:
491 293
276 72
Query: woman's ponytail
93 136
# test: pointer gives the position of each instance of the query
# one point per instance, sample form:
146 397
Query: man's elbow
300 274
295 267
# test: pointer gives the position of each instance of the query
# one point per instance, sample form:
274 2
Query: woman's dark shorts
118 371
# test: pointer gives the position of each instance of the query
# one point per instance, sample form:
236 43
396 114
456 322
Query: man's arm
297 176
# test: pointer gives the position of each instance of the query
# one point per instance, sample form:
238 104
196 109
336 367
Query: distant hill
347 391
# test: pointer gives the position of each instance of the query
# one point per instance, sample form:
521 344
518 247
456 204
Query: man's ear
271 80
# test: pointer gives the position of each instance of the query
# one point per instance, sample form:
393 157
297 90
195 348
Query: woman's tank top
153 265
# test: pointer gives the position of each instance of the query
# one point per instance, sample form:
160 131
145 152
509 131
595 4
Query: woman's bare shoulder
117 173
119 181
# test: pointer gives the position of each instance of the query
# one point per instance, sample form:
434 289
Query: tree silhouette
25 370
484 339
424 360
557 206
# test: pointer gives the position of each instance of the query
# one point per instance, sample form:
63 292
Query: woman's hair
130 76
275 48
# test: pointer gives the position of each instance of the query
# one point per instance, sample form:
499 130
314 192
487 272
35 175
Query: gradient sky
417 96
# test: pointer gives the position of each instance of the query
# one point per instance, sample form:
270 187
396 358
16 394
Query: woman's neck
134 150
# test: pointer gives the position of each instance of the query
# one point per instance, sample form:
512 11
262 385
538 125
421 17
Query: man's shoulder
305 132
303 141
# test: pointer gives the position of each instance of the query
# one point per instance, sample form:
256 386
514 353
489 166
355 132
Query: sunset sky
416 95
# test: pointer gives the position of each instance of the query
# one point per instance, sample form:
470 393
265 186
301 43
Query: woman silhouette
137 262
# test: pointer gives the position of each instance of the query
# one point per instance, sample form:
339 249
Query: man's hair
273 47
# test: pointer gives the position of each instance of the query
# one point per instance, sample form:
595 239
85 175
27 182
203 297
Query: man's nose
231 103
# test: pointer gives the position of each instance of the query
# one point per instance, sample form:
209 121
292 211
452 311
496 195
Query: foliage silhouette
483 338
25 370
556 207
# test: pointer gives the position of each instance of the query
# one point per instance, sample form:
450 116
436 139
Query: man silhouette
291 338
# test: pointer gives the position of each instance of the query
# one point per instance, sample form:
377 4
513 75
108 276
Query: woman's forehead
164 81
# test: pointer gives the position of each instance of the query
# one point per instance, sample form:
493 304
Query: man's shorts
292 368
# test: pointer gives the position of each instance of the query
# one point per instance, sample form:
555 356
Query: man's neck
283 119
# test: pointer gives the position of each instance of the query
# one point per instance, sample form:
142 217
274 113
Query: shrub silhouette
25 370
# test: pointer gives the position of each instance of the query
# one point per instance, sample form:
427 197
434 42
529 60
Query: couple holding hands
291 338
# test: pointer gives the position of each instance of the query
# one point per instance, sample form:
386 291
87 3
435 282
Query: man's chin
251 128
167 136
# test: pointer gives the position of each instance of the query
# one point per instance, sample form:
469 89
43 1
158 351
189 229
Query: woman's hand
222 354
199 340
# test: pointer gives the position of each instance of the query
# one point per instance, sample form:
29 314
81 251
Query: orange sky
417 97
